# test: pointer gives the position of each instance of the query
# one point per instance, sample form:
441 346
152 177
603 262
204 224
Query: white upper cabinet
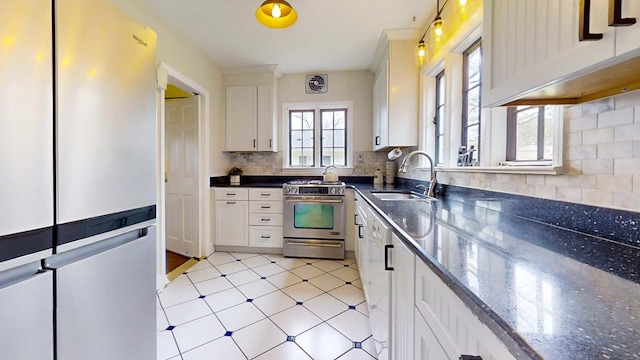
395 96
627 36
251 109
528 44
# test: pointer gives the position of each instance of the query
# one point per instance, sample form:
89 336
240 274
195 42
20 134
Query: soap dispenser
377 177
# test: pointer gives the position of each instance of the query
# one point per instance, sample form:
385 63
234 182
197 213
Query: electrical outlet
360 158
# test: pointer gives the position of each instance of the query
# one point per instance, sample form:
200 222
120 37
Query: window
317 136
439 119
471 101
530 133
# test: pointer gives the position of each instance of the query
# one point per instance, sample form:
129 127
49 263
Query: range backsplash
269 163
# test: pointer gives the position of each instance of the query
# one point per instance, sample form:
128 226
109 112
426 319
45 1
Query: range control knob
332 190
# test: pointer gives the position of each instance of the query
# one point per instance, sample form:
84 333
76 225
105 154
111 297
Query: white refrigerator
77 182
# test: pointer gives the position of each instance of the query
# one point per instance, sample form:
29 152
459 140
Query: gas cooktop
314 182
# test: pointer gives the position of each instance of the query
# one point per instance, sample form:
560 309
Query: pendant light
437 22
276 14
421 52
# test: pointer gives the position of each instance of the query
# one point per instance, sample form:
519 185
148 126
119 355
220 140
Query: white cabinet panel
106 111
395 97
426 344
402 301
528 44
26 116
231 193
265 219
265 236
250 118
274 194
627 37
266 207
232 222
454 325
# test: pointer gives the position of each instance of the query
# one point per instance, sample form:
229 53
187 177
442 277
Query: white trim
205 247
320 105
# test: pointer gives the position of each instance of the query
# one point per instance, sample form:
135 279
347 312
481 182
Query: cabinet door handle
254 143
469 357
265 194
270 143
265 207
231 202
386 257
377 140
265 237
231 194
265 219
355 219
360 232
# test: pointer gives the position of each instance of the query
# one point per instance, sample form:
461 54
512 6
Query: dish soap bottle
377 177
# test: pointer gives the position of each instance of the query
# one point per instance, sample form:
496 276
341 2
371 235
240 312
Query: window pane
473 107
339 119
327 120
307 120
296 120
439 125
527 134
473 139
296 138
327 138
473 70
333 156
549 118
307 138
339 139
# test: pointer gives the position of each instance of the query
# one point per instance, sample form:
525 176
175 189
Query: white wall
187 59
356 86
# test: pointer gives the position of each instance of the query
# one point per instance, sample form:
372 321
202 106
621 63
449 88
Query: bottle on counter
377 177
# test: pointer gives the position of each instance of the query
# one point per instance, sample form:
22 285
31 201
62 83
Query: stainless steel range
314 219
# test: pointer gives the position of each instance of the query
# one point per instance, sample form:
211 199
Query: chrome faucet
424 188
405 163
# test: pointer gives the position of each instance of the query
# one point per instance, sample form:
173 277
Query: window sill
533 170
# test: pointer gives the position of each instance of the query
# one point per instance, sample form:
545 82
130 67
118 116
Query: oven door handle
321 201
314 243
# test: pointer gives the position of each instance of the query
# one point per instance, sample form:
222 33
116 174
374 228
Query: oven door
314 217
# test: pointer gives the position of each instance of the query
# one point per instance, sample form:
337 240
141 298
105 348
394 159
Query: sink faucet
424 188
405 163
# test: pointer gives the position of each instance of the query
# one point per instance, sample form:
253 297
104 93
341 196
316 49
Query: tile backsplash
268 163
602 159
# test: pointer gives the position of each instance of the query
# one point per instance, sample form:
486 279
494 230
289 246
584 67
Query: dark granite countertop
547 292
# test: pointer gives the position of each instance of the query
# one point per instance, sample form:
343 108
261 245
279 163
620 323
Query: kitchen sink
395 195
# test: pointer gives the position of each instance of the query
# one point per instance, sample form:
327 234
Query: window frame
439 137
317 108
512 134
477 45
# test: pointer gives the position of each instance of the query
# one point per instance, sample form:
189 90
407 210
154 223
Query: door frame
166 75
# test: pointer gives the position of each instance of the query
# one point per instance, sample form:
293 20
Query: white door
182 175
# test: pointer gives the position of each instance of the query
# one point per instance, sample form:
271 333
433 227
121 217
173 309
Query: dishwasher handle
386 257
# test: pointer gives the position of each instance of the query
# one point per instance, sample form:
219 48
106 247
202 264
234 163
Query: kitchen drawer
232 194
274 194
265 219
265 236
265 207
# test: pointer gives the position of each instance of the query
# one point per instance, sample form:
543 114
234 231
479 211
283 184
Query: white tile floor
267 307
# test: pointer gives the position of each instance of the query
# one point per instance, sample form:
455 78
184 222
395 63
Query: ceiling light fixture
437 22
437 31
276 14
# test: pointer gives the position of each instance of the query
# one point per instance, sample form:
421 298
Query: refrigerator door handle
58 260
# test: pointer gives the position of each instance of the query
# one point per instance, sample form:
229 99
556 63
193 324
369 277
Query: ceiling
330 35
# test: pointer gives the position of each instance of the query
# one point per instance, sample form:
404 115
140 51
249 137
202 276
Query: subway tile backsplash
267 163
602 159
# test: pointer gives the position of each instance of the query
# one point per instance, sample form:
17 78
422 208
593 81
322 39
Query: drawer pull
231 202
265 207
265 237
265 219
231 194
263 194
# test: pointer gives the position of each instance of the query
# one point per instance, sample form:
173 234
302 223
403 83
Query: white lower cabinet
232 217
248 217
457 330
402 300
426 345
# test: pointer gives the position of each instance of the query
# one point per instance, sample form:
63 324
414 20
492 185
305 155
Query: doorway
183 184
